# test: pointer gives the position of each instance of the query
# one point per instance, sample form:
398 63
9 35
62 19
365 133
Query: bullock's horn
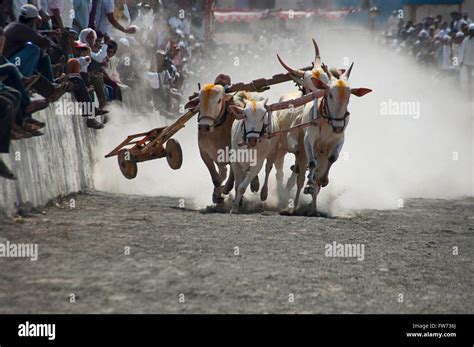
347 73
292 71
317 56
327 71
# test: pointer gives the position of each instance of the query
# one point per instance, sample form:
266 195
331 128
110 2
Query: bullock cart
154 144
157 143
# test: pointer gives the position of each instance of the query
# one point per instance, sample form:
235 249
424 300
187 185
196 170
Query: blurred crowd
445 43
96 51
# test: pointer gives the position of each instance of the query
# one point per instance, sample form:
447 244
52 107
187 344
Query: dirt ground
186 261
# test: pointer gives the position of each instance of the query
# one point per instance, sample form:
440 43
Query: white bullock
250 125
255 130
293 116
322 141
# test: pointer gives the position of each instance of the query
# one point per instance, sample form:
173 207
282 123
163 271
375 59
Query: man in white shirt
82 8
105 20
53 8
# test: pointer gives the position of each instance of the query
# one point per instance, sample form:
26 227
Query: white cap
459 34
29 11
471 26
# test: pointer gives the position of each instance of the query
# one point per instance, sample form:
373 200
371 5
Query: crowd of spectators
447 44
97 51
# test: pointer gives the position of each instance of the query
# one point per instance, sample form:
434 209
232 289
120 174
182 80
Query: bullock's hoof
255 185
312 213
234 209
288 212
308 190
295 169
264 193
217 199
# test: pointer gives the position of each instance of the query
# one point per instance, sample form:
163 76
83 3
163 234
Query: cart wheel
127 164
174 154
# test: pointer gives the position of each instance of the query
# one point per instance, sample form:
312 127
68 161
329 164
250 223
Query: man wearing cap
467 60
24 45
25 48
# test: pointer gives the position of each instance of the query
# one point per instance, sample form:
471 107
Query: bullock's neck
226 126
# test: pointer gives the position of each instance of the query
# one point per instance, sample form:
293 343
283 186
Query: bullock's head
255 120
336 98
335 83
212 104
307 78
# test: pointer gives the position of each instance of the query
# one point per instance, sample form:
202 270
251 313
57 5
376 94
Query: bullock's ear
229 96
238 112
192 103
360 91
319 84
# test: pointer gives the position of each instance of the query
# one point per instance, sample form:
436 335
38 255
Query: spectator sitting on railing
83 94
11 78
95 81
25 48
27 107
6 119
98 53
